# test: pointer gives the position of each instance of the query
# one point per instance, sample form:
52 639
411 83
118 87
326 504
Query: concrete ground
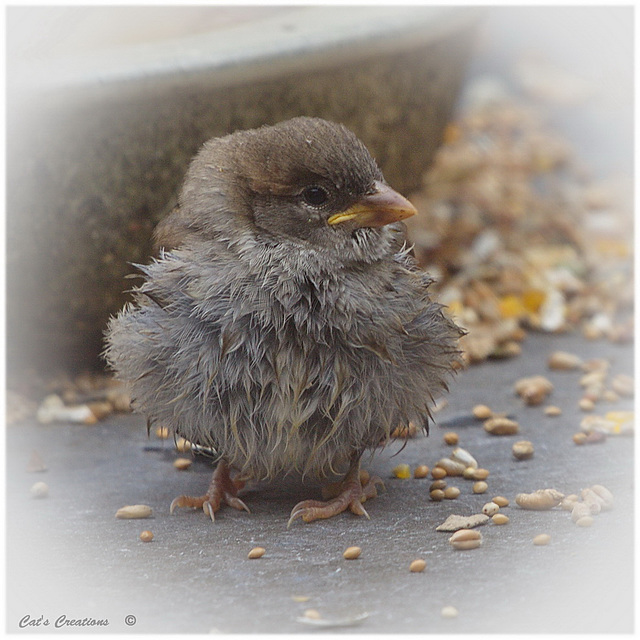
67 555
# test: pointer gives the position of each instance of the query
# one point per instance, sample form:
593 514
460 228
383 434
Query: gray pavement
67 555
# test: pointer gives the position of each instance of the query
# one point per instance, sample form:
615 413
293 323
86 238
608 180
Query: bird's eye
315 196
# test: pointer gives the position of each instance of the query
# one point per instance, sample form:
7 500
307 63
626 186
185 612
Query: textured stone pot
98 141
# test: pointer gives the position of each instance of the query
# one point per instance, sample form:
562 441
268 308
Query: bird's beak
376 209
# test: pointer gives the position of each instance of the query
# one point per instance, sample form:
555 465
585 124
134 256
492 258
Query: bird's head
305 182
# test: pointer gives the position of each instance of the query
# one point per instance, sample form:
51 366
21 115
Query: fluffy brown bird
284 324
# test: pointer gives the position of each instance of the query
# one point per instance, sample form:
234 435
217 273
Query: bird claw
351 497
222 490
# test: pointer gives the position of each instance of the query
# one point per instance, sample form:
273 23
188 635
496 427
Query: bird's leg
354 490
222 490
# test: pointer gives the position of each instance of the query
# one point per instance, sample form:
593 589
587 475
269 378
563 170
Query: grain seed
436 495
421 471
482 412
417 566
480 487
501 427
133 511
522 450
449 612
553 411
540 500
146 536
542 540
402 471
466 539
490 509
40 490
500 518
451 438
451 493
182 464
351 553
501 501
256 552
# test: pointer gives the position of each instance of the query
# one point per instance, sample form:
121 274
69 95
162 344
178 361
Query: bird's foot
222 490
352 492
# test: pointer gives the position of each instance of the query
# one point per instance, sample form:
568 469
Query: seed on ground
438 484
312 614
480 474
451 438
553 411
451 493
351 553
522 450
421 471
500 518
542 539
585 521
256 552
490 509
436 495
162 433
501 426
402 471
586 404
134 511
580 437
501 501
466 539
437 473
449 612
182 464
482 412
417 566
480 487
40 490
146 536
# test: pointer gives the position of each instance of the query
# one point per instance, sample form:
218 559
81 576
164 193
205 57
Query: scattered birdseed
466 539
586 404
352 553
501 426
312 614
183 445
402 471
40 490
563 361
464 457
451 467
500 518
579 438
301 598
542 539
482 412
580 510
182 464
480 474
162 433
134 511
449 612
604 494
451 493
256 552
584 521
437 473
522 450
451 438
501 501
146 536
552 411
417 566
533 390
623 385
438 484
540 500
490 509
480 487
436 495
455 523
421 471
